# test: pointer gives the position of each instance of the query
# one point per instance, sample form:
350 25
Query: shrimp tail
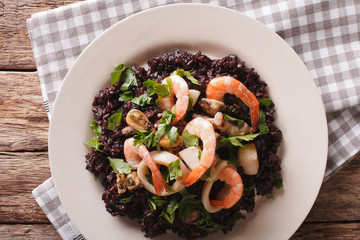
254 116
195 175
159 183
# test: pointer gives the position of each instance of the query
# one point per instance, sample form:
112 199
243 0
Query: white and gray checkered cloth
325 34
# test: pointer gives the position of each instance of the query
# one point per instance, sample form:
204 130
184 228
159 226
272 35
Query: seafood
227 127
163 158
248 159
180 90
219 86
137 120
232 191
211 106
134 155
205 131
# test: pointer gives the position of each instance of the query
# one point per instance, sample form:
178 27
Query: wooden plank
23 120
20 173
339 198
333 231
29 232
15 47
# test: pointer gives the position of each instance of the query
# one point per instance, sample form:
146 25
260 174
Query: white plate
217 32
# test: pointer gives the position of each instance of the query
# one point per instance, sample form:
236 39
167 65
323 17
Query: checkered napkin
325 34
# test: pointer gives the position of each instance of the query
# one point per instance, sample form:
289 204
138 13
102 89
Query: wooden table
24 158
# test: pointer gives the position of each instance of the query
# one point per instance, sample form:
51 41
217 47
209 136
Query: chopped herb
199 155
172 134
175 169
119 165
189 139
236 121
149 179
278 182
142 100
95 143
115 76
248 189
207 176
114 120
96 178
169 214
265 102
261 124
152 205
190 105
159 201
126 96
96 129
269 196
144 137
126 200
162 90
129 80
236 140
187 74
165 127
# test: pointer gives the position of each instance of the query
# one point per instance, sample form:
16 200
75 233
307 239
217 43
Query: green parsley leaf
152 205
149 84
269 196
95 143
149 179
265 102
248 189
142 100
144 137
162 90
169 214
159 201
261 124
119 165
129 80
187 74
207 176
119 67
126 96
172 134
190 105
199 155
189 139
96 129
167 118
175 169
278 182
96 178
236 140
114 120
115 76
126 200
236 121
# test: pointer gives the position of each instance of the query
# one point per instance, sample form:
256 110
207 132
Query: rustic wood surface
23 146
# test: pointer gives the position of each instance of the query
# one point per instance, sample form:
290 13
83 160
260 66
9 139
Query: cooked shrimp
133 156
219 86
205 131
180 89
231 193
